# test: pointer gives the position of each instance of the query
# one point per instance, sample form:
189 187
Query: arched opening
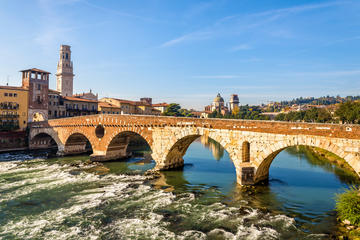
128 144
43 141
246 151
201 163
330 165
304 181
77 143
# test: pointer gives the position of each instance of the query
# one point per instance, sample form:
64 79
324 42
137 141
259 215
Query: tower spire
64 74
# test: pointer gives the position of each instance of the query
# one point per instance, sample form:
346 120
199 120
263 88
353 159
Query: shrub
348 205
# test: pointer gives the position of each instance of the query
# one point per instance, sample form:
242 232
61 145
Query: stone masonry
252 145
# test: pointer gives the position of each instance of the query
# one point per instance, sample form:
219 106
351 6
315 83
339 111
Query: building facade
79 107
13 108
36 81
108 108
142 107
160 106
89 95
64 74
56 105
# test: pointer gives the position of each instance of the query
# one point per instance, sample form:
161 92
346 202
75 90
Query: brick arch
50 132
269 154
81 132
125 130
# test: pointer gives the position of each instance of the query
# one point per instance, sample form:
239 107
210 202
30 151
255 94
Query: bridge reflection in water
301 184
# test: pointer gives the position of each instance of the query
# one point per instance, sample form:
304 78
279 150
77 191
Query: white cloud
187 37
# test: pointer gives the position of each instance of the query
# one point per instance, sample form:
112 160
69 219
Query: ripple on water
88 206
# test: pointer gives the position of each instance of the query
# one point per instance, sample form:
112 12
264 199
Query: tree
349 112
173 110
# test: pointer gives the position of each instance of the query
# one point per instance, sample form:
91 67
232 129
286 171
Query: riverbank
348 202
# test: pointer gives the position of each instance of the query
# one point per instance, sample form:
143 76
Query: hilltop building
64 74
234 102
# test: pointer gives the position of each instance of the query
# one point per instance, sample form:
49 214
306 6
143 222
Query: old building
234 102
79 107
218 103
142 107
64 74
89 95
160 106
56 105
13 108
36 81
108 108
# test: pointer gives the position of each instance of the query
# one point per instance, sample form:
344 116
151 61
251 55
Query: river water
66 198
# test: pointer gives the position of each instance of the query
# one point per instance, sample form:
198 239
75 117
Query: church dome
218 98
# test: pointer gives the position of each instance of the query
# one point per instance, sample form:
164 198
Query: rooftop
35 70
13 88
53 91
106 104
160 105
79 99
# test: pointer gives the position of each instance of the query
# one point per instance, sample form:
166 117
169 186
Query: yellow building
108 108
13 108
142 107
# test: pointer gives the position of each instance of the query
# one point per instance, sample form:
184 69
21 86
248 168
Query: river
65 198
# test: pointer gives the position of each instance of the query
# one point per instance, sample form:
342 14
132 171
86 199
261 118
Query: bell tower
64 74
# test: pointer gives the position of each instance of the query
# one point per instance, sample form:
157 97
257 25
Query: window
50 103
15 94
10 94
38 98
39 87
5 94
66 56
49 113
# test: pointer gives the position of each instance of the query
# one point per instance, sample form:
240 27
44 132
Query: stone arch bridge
252 145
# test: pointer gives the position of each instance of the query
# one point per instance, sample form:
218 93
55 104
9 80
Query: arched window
246 151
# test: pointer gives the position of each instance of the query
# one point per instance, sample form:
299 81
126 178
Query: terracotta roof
136 103
160 105
79 99
53 91
106 104
35 70
13 88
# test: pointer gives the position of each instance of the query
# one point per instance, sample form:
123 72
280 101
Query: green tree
173 110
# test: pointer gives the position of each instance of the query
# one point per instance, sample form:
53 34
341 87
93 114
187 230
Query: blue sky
187 51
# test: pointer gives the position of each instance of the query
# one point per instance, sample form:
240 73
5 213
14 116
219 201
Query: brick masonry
170 137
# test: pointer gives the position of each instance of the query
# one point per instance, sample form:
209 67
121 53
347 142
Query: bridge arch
271 151
78 142
44 132
172 154
123 142
44 140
